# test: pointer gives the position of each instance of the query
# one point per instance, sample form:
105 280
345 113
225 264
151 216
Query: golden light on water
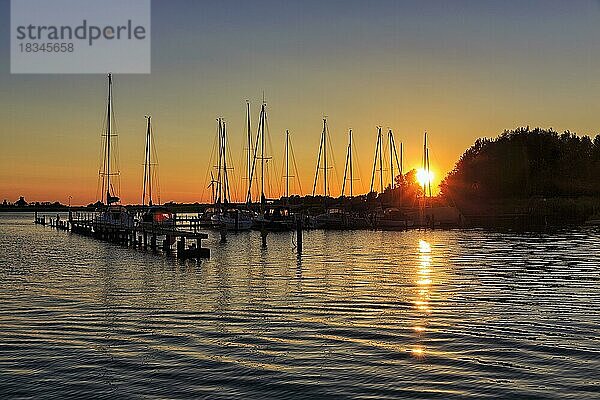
422 302
418 351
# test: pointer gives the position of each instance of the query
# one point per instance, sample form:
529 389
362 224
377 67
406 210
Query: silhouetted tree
524 163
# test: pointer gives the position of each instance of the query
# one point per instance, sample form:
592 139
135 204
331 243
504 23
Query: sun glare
424 177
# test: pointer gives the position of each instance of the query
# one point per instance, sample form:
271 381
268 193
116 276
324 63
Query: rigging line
333 163
296 169
318 163
249 196
156 169
101 157
346 168
227 195
374 163
274 164
211 164
230 171
398 164
356 161
146 162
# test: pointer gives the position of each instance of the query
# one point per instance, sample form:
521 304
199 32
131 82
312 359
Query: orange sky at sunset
460 76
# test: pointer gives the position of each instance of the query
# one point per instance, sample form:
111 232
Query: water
444 314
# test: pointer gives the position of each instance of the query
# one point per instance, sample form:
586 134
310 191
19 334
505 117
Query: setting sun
424 177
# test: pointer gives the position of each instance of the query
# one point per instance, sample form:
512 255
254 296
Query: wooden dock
170 239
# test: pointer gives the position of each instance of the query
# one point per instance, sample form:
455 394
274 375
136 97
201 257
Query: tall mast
287 164
428 173
351 166
392 149
318 164
219 176
147 165
325 191
108 137
375 161
249 143
348 169
262 158
260 139
226 193
425 165
380 160
401 158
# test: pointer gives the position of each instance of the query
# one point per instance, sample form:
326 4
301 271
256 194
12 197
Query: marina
299 200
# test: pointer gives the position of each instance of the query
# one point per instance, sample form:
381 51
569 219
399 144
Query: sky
456 69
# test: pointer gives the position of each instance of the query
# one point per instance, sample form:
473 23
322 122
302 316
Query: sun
424 177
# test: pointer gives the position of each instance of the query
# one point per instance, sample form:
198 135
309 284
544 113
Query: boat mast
108 134
401 158
219 162
394 156
226 194
325 191
378 154
255 155
425 166
348 168
108 137
287 164
321 150
351 166
428 173
249 143
374 164
212 187
262 158
380 161
391 144
147 165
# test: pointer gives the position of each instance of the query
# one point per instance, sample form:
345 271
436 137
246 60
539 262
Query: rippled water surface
443 314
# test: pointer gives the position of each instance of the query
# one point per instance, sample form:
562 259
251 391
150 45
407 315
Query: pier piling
263 235
299 235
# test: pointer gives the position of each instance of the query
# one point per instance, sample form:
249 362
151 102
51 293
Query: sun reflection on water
422 301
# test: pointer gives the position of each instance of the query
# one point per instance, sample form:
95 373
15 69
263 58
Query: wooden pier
171 239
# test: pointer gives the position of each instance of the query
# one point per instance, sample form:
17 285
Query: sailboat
280 217
393 218
333 217
224 215
271 217
153 214
340 218
110 214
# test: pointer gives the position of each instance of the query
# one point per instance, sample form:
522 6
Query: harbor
299 200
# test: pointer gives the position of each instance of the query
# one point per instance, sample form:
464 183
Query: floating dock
170 239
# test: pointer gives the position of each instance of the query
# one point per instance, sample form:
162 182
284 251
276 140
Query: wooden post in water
167 244
180 246
263 235
299 235
223 231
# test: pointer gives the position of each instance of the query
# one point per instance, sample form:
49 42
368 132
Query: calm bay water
444 314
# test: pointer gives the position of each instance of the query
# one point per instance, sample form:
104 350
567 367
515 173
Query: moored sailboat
111 214
153 215
224 215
